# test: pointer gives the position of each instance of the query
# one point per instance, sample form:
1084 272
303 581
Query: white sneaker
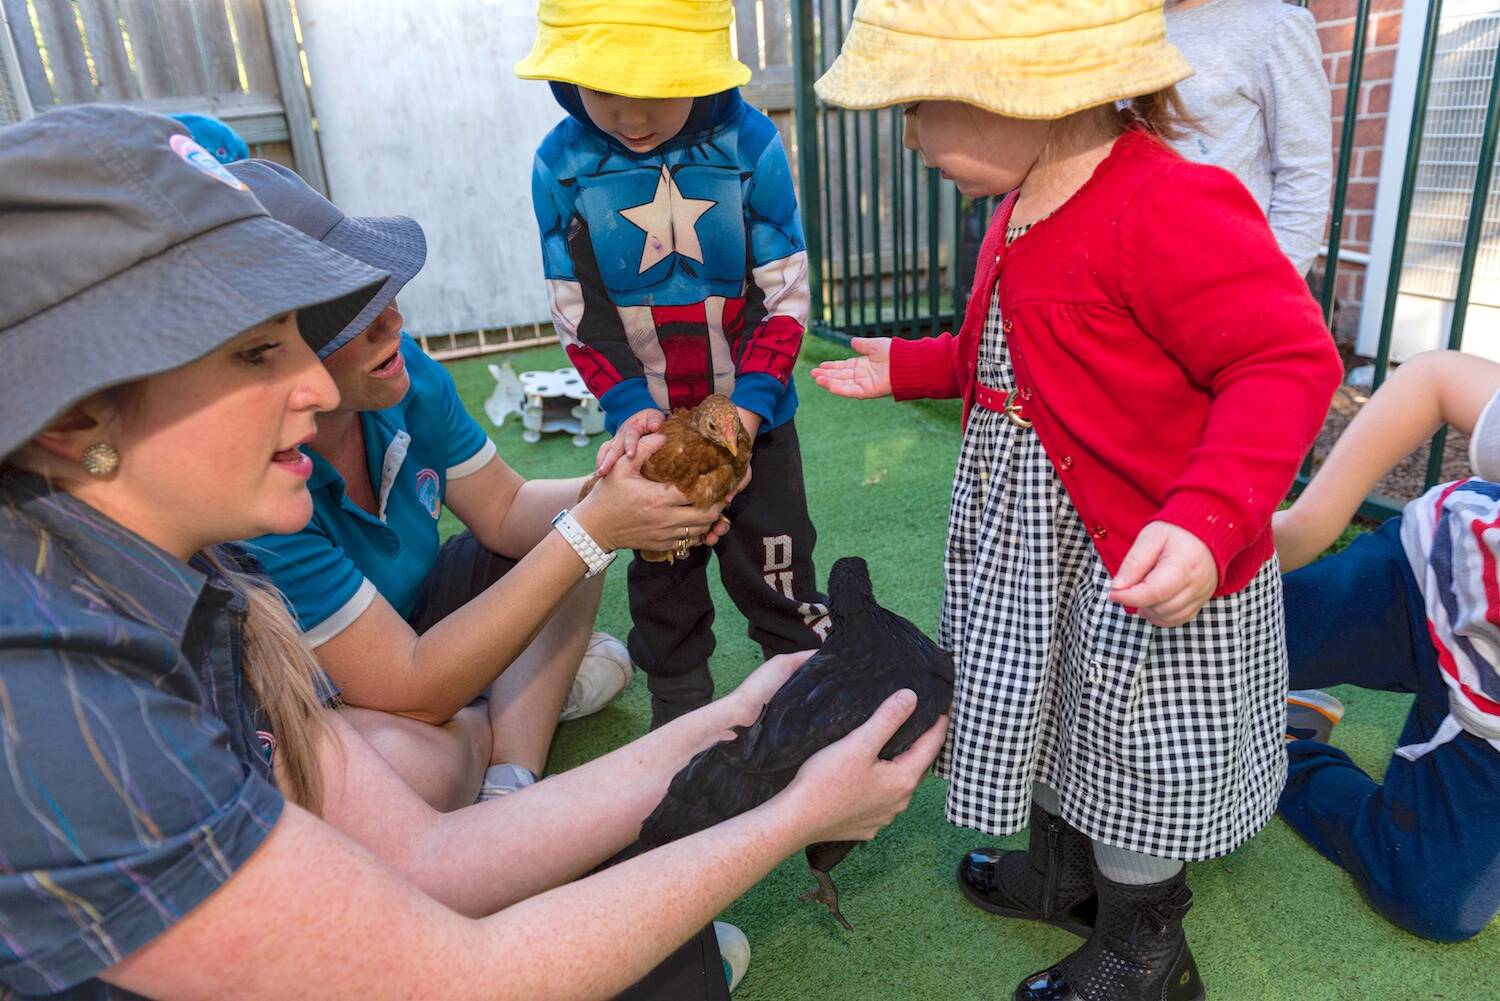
735 948
603 674
504 779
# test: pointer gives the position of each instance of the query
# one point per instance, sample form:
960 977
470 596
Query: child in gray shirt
1260 100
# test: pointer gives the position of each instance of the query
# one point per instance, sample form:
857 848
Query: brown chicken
705 456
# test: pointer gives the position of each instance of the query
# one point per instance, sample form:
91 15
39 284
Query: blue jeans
1424 847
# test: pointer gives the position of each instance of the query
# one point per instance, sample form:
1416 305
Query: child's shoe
1312 715
672 697
1052 880
734 947
504 779
603 674
1138 950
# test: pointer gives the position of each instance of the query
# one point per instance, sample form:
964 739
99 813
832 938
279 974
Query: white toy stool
559 401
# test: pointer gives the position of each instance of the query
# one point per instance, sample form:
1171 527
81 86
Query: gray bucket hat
127 250
390 243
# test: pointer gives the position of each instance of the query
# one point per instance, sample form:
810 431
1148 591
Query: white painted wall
420 115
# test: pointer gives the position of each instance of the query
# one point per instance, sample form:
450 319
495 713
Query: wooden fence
239 60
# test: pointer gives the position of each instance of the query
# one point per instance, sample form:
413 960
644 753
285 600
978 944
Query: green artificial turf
1273 921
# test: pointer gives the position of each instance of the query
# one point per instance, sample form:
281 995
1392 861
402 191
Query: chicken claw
827 895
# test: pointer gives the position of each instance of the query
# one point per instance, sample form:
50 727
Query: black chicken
870 654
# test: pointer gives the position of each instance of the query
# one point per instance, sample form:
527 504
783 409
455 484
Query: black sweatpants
765 562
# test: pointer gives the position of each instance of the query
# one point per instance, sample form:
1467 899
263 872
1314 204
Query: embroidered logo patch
203 160
427 492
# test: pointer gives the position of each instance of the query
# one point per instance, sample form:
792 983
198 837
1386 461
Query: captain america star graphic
678 272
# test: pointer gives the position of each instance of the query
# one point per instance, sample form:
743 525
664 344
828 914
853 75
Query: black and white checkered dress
1161 741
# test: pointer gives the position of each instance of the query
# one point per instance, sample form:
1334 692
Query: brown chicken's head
717 420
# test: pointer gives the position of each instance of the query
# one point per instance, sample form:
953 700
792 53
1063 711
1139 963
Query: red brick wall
1336 33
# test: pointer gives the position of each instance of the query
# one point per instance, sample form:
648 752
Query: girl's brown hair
1161 113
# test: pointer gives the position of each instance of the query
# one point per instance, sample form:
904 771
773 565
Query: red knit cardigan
1178 367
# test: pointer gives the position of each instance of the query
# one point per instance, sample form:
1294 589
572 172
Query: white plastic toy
559 401
508 397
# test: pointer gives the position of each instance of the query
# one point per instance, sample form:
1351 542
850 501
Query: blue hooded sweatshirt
679 272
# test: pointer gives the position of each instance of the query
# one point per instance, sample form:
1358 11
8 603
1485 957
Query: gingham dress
1161 741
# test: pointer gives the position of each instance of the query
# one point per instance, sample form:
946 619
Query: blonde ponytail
280 668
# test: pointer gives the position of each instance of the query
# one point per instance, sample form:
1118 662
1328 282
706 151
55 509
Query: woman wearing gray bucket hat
413 630
156 710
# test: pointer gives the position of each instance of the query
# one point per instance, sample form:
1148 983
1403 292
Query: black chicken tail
849 590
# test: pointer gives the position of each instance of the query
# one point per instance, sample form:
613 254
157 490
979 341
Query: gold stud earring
100 459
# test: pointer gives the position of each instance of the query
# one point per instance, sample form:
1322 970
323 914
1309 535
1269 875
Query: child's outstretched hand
861 378
1168 575
636 427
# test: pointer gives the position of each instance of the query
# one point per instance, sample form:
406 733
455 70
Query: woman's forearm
313 915
528 516
483 858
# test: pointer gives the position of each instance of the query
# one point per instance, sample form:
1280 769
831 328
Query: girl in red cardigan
1143 370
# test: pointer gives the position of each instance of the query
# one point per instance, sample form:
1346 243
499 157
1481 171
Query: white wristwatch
595 558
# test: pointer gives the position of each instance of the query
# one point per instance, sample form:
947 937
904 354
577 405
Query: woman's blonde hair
281 669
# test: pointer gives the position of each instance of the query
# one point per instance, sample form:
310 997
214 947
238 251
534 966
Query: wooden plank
64 47
746 34
102 26
295 100
772 89
258 118
153 66
254 44
777 27
216 44
179 37
33 73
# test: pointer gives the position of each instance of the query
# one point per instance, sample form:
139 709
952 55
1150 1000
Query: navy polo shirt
134 782
331 571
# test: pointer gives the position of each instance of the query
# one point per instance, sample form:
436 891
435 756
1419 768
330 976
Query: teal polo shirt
331 571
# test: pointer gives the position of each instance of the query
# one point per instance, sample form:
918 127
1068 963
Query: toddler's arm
1205 279
777 298
1295 101
587 321
1428 391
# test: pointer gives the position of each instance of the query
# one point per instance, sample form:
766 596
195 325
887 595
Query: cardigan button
1067 462
1026 393
1099 532
1007 326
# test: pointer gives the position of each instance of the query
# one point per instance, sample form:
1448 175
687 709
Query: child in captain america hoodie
676 268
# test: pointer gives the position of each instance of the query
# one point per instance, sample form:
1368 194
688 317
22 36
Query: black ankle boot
679 695
1052 880
1137 952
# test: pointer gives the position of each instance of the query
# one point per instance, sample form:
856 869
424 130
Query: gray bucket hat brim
391 243
172 309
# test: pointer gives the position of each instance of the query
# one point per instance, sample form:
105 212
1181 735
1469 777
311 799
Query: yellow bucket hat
1019 58
636 48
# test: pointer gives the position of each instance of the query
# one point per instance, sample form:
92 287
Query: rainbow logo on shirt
429 493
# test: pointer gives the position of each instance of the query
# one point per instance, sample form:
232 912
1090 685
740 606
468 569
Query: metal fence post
805 66
1408 187
1346 157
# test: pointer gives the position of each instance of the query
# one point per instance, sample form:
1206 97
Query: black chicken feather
870 654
